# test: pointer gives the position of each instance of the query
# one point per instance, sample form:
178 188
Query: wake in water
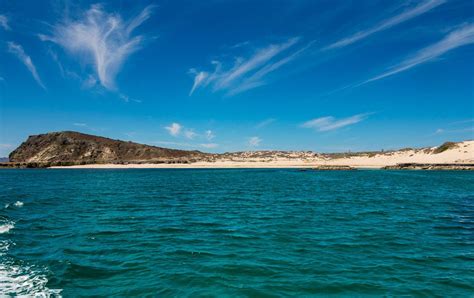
16 277
21 280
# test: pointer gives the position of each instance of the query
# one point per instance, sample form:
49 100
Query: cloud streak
19 52
247 73
254 141
102 39
330 123
4 22
209 135
265 123
457 38
420 9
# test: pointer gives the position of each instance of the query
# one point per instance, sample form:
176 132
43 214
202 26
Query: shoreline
190 167
449 156
268 165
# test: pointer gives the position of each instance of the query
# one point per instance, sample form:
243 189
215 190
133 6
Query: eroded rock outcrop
70 147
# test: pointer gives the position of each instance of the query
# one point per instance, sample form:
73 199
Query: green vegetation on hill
445 146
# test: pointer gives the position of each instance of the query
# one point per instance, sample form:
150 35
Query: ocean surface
236 233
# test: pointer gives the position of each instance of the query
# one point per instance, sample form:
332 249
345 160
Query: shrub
444 147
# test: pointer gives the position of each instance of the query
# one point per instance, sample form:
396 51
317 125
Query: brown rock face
69 146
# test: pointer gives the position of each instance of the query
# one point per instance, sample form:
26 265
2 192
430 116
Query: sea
236 233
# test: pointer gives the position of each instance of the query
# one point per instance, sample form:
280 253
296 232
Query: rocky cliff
74 147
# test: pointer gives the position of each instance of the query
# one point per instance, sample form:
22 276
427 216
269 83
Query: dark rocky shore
71 148
430 166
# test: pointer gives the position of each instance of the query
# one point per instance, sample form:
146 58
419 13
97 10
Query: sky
223 75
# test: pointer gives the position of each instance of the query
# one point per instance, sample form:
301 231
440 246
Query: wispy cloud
329 123
199 79
19 52
190 134
254 141
247 73
209 145
4 22
264 123
189 145
462 122
453 131
464 35
457 127
174 129
209 134
127 98
86 126
420 9
103 39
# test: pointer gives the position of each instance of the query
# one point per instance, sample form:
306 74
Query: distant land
78 150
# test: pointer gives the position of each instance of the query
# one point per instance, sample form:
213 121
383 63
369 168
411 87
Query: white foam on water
18 204
5 227
22 280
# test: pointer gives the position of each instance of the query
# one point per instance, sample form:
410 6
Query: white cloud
420 9
209 145
190 134
457 38
19 52
265 122
127 98
254 141
80 124
330 123
199 78
180 144
247 73
174 129
102 39
4 22
209 134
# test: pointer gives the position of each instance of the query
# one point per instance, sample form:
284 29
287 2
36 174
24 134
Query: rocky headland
79 150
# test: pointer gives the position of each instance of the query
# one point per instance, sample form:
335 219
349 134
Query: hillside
82 150
76 148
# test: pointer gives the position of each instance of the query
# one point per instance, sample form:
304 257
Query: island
69 149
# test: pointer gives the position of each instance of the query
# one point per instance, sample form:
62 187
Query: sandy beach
463 153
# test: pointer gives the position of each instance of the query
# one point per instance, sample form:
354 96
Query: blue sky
240 75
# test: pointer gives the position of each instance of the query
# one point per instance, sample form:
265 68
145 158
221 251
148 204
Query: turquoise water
238 233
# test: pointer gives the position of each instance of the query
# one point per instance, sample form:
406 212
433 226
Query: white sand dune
462 153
